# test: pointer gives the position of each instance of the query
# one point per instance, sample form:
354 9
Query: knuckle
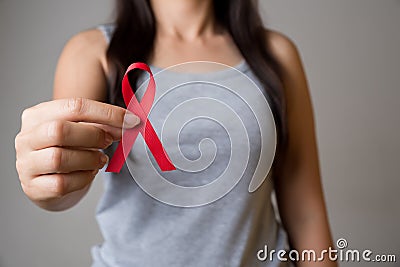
26 188
110 114
31 191
58 188
17 142
75 105
56 130
56 158
25 114
23 167
19 165
100 137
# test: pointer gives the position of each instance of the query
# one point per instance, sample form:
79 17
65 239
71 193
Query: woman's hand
58 148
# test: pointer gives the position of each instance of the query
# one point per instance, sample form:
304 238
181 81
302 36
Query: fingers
61 160
57 148
78 109
65 134
53 186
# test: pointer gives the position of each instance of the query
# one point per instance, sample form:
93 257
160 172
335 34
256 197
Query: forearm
312 234
305 218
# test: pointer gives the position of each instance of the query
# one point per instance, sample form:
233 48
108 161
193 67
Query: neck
184 19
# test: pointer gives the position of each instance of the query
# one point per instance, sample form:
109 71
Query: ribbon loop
142 110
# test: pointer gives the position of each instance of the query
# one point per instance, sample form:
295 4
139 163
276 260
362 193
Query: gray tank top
215 209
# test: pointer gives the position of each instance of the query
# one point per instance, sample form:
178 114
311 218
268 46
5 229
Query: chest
219 48
217 129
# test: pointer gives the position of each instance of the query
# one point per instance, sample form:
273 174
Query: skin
58 146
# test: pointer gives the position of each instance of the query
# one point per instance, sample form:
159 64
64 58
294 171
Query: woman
58 146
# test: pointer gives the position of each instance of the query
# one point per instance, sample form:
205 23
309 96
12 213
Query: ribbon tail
156 148
122 151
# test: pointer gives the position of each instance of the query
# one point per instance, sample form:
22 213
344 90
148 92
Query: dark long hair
135 19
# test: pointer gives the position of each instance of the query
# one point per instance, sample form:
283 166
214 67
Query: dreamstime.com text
340 254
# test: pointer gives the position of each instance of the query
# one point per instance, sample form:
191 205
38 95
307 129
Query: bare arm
299 190
80 73
81 68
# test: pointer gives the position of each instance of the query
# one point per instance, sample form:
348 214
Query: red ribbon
142 110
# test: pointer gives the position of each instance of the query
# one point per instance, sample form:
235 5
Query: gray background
351 55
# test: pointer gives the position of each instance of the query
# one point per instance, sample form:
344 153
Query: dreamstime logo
342 253
215 125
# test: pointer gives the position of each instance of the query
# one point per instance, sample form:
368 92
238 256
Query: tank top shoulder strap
107 30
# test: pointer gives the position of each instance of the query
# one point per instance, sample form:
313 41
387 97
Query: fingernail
131 120
103 159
